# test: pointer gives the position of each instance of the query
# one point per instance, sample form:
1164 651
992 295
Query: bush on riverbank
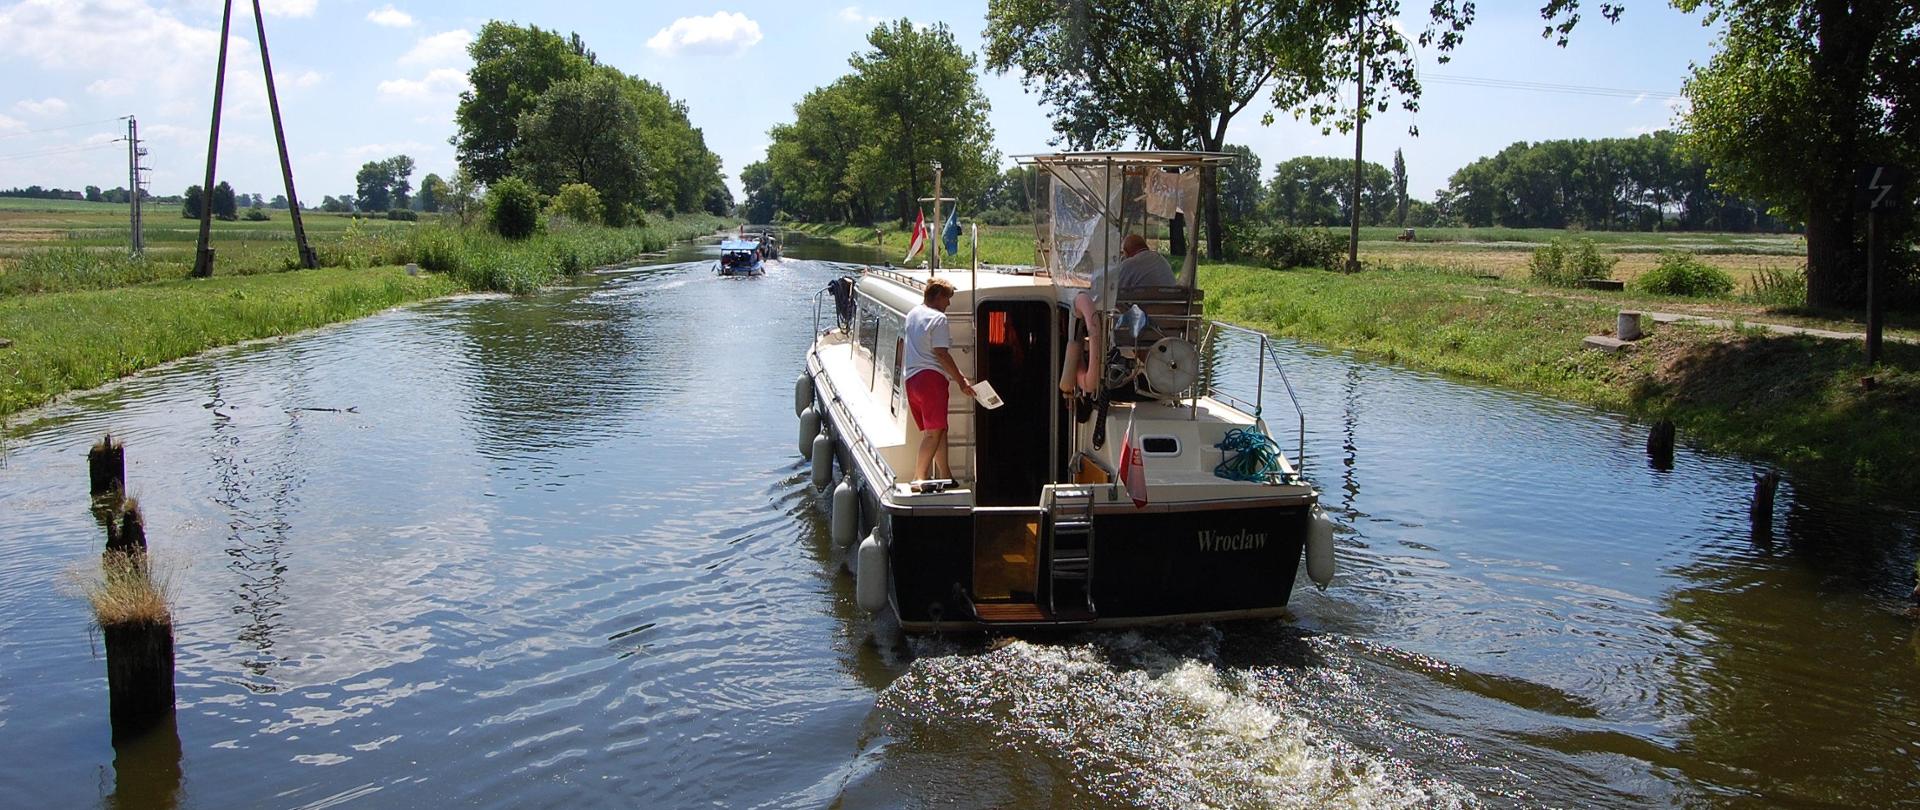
1564 263
1283 247
1679 273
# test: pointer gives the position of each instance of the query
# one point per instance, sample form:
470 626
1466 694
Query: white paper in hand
983 391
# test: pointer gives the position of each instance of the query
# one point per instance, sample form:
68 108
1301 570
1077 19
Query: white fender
870 575
846 512
809 428
802 393
822 460
1320 548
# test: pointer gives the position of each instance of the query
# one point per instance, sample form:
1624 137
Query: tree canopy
384 184
543 107
863 147
1798 97
1639 183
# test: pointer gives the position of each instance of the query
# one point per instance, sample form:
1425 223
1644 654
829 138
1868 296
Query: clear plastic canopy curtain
1091 206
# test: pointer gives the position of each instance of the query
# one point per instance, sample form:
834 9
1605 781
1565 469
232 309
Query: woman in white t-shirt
927 364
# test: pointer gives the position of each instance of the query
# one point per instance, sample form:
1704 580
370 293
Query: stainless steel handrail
1266 353
859 434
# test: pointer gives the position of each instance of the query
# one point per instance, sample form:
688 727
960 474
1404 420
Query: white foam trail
1134 722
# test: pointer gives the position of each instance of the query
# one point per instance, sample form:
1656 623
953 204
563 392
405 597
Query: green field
80 310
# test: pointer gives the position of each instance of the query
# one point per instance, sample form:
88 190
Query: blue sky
362 80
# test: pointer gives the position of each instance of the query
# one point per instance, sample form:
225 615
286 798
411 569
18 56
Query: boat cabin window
867 336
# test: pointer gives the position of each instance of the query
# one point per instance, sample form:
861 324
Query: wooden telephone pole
307 257
203 256
1359 125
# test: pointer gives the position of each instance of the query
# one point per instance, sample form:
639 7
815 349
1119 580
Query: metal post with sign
1880 188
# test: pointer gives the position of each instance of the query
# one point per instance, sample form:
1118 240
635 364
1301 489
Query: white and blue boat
740 257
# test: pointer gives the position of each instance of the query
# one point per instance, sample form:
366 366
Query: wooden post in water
107 466
127 532
1660 445
137 626
1760 512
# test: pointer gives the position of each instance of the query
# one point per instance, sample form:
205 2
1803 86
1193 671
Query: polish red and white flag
919 237
1133 466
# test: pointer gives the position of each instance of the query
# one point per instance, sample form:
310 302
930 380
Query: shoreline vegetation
79 315
1796 401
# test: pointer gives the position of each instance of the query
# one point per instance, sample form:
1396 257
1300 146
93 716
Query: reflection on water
560 551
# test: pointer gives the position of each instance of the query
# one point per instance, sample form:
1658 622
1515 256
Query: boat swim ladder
1070 550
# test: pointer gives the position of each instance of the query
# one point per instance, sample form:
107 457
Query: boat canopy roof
1088 203
738 244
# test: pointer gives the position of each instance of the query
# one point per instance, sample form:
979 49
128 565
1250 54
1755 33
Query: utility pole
203 255
1359 123
308 258
134 185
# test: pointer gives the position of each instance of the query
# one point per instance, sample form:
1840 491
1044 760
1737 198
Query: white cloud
722 32
382 150
437 84
157 57
47 107
390 17
853 15
288 8
447 48
309 78
110 87
11 125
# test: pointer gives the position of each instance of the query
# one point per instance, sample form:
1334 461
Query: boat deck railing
1267 355
859 439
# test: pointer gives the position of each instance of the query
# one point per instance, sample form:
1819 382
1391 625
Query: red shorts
927 398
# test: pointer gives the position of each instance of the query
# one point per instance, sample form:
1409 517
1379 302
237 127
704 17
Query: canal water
561 552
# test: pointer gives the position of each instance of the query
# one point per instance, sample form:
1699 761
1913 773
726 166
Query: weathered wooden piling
107 466
1660 445
137 626
128 531
1760 512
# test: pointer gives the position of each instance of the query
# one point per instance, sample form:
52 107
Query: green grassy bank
77 318
1797 401
75 340
999 244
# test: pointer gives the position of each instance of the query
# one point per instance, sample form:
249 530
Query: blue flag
951 234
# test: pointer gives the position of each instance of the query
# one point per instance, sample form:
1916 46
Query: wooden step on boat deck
1010 612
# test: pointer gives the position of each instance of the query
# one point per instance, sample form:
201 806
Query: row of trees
863 147
544 109
1642 183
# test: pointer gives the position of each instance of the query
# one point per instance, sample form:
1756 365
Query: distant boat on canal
740 257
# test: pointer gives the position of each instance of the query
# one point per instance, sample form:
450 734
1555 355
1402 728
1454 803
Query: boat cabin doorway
1014 347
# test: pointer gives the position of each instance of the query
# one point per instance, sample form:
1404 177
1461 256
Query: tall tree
763 194
1168 74
381 185
191 201
927 107
512 67
1399 190
585 131
1240 191
224 205
432 191
1798 97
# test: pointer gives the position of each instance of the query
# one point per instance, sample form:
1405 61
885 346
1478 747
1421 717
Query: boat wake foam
1151 722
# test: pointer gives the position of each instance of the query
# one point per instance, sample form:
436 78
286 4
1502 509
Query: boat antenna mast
933 250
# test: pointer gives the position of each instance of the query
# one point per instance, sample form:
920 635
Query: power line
63 150
25 133
1548 87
